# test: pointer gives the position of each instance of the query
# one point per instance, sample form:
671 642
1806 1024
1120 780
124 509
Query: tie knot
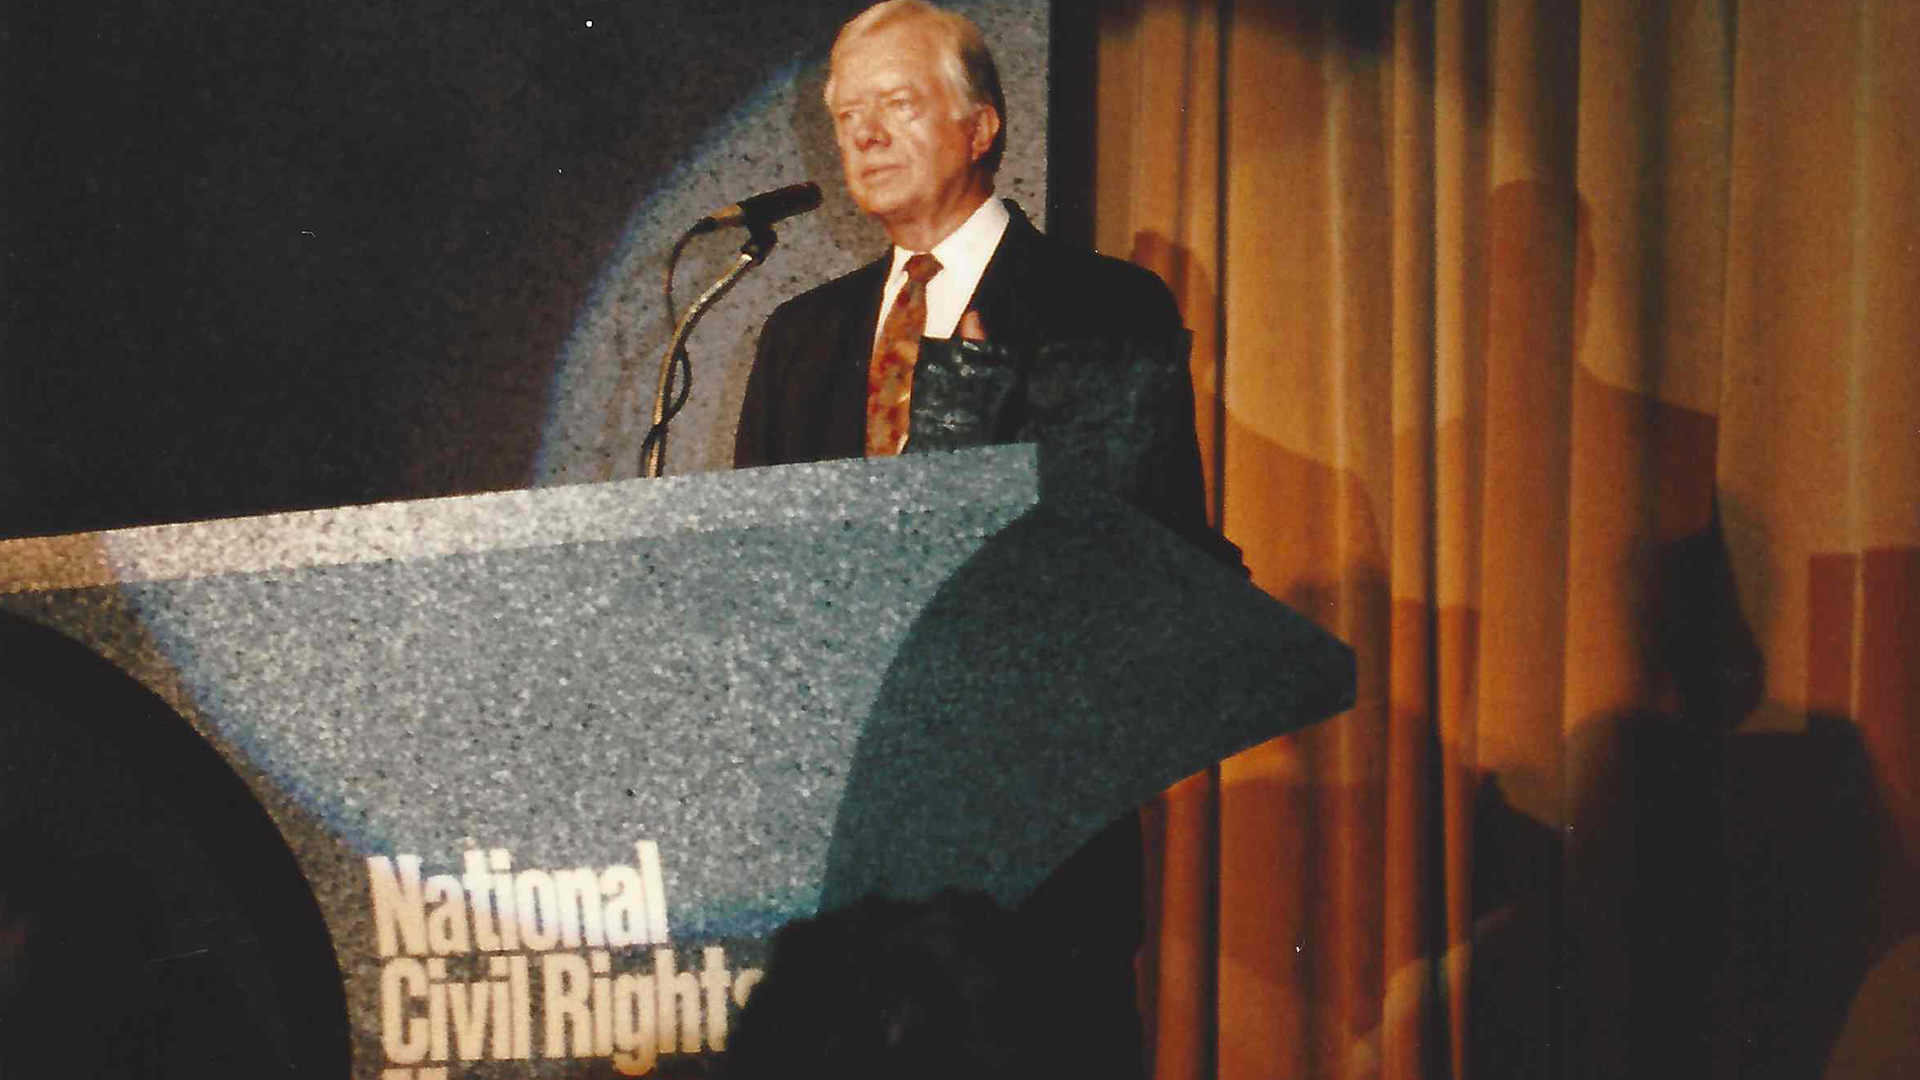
921 267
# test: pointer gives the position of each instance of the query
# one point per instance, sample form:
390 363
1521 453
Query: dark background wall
316 252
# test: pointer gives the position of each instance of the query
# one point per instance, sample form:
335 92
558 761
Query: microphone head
765 208
781 203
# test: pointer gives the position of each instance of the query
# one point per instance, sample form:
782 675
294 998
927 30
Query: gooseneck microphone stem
668 399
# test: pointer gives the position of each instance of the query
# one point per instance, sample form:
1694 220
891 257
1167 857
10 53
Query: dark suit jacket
806 396
806 401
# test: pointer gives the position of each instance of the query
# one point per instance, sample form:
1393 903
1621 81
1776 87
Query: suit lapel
1000 298
852 352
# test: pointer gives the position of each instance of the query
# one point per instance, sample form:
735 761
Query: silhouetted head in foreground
894 989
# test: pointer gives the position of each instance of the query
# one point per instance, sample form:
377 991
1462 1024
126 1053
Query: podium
519 784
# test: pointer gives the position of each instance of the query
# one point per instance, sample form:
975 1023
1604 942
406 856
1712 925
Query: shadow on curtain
1560 357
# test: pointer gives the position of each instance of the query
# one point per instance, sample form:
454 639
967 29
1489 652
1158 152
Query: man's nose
869 131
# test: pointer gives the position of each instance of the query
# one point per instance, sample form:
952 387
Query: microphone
765 208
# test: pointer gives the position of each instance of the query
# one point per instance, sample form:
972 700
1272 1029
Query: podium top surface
508 520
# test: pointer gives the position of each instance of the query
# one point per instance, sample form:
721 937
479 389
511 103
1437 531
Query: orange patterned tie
890 375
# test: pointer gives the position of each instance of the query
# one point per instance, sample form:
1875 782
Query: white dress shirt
963 257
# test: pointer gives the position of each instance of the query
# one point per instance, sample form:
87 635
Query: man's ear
986 128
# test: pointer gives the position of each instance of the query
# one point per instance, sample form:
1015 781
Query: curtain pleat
1562 358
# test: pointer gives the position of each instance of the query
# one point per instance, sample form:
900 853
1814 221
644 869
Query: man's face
908 147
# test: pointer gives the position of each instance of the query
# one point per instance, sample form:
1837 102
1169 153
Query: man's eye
901 107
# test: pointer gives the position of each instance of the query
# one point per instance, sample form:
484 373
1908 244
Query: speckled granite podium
552 764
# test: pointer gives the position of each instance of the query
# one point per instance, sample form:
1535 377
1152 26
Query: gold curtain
1564 358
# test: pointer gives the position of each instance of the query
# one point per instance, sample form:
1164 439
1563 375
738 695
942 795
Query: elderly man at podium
920 121
920 118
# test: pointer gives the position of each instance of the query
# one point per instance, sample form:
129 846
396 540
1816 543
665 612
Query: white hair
965 64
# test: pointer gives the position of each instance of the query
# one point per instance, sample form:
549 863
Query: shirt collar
963 255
